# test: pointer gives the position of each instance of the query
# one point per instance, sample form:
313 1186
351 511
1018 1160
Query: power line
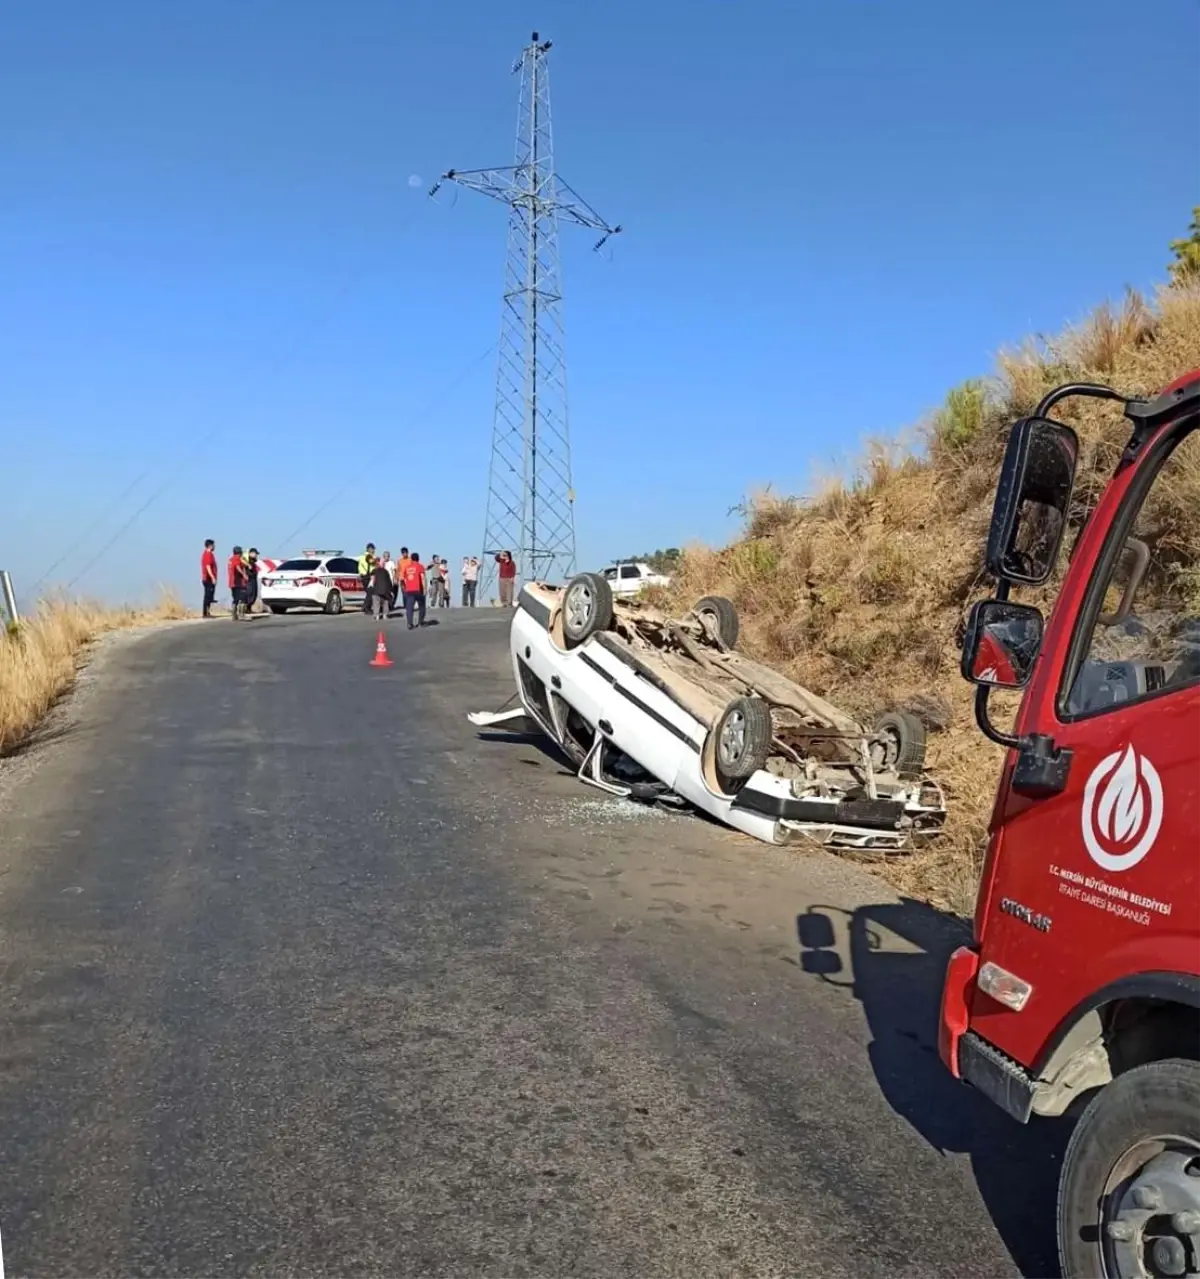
272 363
275 363
136 515
256 364
448 390
162 488
95 524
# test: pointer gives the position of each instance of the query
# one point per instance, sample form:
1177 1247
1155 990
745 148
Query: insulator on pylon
531 500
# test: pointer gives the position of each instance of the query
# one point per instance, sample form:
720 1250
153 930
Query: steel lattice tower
530 501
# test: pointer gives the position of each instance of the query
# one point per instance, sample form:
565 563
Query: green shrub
961 418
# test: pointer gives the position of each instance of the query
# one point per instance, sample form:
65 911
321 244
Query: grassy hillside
860 591
39 659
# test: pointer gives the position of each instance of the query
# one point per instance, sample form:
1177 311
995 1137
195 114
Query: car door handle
556 681
605 727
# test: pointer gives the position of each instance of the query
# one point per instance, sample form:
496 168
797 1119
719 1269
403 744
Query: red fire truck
1081 992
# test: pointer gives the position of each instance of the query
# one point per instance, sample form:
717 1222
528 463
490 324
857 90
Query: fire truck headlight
1004 987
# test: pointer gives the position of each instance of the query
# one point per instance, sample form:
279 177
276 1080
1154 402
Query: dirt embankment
860 591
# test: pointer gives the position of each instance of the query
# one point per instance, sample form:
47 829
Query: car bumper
550 682
957 990
294 599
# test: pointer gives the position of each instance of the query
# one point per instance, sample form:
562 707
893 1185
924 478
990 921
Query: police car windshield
297 566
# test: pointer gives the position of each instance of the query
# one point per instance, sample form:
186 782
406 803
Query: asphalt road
302 976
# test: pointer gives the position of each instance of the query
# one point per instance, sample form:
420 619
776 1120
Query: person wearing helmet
252 570
238 577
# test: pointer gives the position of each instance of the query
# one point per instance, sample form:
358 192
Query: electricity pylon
531 500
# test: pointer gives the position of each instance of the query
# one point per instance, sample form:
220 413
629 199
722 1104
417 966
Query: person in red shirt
508 578
208 574
412 580
239 576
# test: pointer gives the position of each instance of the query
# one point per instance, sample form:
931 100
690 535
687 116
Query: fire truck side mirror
1029 516
1001 644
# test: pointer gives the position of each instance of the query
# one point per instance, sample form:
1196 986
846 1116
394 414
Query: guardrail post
10 598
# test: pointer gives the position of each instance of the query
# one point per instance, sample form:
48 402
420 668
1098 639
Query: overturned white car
654 708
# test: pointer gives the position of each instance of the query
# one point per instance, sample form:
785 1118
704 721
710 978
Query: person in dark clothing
208 574
381 590
413 582
252 571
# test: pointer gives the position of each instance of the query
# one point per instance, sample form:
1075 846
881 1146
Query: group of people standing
405 581
386 582
241 572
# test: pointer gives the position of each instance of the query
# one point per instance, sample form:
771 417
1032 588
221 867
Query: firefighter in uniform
237 583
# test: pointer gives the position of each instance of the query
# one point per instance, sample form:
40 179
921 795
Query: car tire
724 616
587 608
743 738
1102 1163
277 609
334 602
898 745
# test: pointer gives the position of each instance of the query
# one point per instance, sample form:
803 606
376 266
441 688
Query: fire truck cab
1081 992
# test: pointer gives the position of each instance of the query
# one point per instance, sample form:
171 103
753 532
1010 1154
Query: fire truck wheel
587 608
723 615
1129 1193
899 744
743 736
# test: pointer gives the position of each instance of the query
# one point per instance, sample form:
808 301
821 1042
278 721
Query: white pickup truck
630 576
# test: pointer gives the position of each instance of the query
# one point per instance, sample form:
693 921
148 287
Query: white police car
327 580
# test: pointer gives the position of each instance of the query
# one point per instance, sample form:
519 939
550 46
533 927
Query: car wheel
743 738
333 602
898 744
1129 1194
277 608
723 616
587 608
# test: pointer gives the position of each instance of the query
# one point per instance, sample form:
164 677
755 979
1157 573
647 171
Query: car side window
343 566
630 570
1145 635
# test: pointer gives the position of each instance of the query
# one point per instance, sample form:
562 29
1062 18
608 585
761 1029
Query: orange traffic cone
381 653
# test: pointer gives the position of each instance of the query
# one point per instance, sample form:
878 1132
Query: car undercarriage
761 744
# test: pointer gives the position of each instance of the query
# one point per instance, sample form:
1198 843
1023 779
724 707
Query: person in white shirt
433 582
470 580
443 569
393 572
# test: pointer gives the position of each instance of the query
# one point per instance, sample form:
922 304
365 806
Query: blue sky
217 285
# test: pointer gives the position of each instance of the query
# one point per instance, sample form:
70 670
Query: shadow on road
546 745
892 957
42 735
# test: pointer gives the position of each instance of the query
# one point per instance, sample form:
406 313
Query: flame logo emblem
1122 809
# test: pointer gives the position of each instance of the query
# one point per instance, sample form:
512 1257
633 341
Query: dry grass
39 659
860 590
